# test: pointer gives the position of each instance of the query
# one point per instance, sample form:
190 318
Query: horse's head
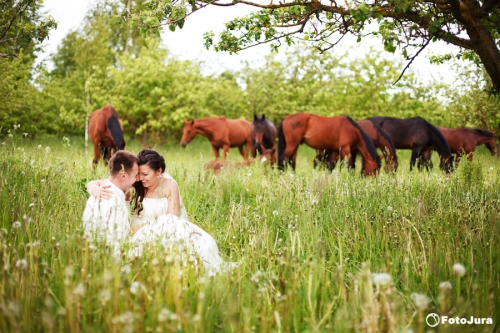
268 156
259 124
446 164
371 167
188 133
491 144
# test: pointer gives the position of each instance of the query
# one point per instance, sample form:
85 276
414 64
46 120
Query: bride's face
148 176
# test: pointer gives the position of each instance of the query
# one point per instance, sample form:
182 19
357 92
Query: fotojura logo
434 319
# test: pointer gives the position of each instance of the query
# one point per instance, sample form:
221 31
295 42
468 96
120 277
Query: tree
22 26
472 25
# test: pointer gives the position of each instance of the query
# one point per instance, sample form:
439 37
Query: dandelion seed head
126 269
135 287
459 269
16 225
389 208
445 285
381 279
22 264
104 296
421 301
275 212
79 290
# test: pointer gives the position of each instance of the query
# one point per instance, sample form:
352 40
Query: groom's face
132 177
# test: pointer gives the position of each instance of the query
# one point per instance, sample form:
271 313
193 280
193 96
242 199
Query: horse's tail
439 141
116 130
368 142
281 147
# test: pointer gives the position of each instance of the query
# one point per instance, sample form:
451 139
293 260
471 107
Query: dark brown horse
263 134
106 133
222 133
463 141
379 138
339 133
418 135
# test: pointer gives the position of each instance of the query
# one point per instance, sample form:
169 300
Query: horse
338 133
263 134
379 138
221 132
463 141
418 135
106 133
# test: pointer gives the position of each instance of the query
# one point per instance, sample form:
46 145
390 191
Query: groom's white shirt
107 220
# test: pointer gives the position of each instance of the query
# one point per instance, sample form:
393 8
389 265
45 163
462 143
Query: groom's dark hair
122 160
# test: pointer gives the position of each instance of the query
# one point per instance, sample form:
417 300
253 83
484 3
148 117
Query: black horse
263 135
418 135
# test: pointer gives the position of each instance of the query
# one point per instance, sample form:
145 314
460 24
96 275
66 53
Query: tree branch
411 60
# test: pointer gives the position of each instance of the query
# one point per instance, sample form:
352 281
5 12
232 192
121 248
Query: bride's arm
173 197
98 189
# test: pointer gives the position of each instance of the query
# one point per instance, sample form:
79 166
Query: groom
108 220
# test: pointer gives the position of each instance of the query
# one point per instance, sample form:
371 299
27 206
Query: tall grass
314 248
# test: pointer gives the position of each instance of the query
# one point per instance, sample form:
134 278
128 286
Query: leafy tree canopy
22 26
408 25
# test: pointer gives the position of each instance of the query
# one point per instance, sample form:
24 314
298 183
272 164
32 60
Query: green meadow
319 251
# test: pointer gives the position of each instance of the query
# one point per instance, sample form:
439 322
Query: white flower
164 315
155 261
135 287
314 202
39 147
382 279
275 212
389 208
31 204
459 269
22 264
68 271
104 296
445 286
107 276
47 149
79 290
126 269
16 225
491 168
421 301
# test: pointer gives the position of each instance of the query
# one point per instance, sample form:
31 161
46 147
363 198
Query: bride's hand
101 191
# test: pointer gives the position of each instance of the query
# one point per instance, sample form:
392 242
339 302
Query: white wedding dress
176 234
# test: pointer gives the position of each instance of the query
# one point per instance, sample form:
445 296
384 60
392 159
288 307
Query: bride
158 215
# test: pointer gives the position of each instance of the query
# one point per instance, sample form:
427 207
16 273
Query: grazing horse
379 138
221 132
263 134
106 133
418 135
463 141
339 133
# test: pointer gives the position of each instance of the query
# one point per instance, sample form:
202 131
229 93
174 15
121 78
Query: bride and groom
141 199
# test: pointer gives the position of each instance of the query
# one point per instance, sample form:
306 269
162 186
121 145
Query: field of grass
320 251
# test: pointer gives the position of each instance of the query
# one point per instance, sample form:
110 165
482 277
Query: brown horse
379 138
106 133
339 133
222 133
463 141
263 135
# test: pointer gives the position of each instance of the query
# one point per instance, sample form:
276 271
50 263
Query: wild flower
22 264
126 269
79 290
314 202
104 296
389 208
16 225
68 271
164 315
107 276
444 286
381 279
135 287
275 212
459 269
39 147
31 204
47 149
421 301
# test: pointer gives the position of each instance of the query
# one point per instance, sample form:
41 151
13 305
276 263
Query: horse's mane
441 145
387 137
369 143
485 133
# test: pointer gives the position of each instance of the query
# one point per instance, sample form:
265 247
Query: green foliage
22 27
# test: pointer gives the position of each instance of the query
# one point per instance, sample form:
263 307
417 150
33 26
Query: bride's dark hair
156 162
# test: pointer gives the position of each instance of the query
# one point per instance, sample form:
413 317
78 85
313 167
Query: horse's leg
225 152
216 152
333 158
345 152
414 156
97 154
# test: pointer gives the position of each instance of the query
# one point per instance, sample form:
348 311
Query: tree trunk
469 14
